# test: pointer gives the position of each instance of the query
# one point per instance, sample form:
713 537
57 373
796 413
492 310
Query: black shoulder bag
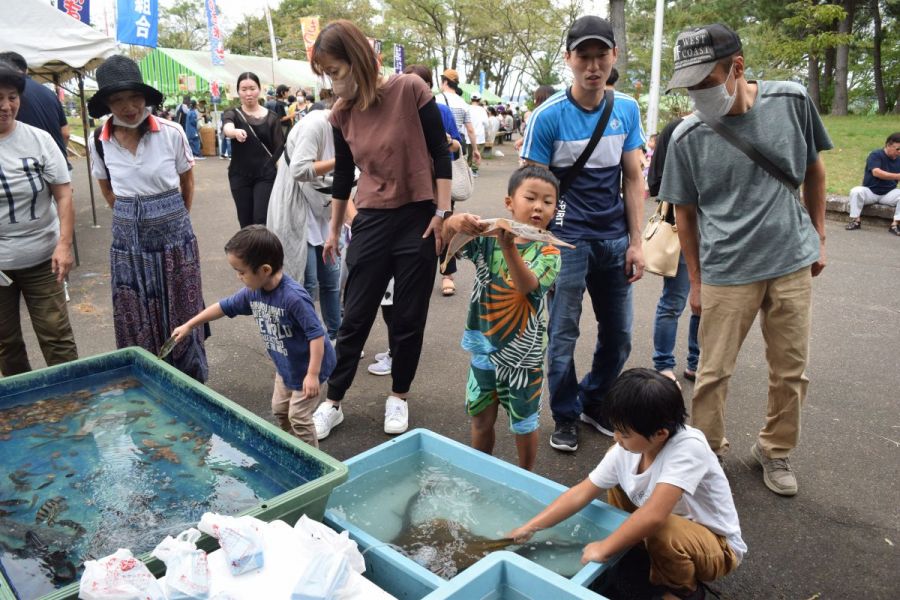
573 172
752 153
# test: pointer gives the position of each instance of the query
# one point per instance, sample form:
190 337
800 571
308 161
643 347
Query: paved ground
837 539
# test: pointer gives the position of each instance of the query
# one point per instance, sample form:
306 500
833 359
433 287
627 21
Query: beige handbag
661 246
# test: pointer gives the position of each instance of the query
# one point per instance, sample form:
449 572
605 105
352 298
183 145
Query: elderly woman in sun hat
143 165
36 229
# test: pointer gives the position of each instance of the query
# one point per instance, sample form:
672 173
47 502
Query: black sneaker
598 422
853 225
565 437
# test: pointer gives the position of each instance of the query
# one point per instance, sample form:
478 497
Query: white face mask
715 101
120 123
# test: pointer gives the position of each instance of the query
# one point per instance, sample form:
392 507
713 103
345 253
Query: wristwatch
444 214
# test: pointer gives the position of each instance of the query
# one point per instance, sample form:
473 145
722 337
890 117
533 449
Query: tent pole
87 154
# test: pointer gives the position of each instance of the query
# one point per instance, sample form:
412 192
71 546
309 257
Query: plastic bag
187 572
338 543
323 576
239 537
119 576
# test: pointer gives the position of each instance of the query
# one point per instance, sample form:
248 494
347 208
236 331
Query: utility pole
653 107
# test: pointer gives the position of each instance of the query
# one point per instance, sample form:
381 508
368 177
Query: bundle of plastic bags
187 571
119 576
336 554
240 539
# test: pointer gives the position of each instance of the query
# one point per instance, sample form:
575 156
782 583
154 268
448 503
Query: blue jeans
665 327
194 141
225 146
324 278
599 267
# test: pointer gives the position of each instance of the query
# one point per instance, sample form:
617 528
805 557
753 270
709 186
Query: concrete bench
838 207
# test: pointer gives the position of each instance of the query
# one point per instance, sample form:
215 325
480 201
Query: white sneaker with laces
396 415
381 367
327 417
379 356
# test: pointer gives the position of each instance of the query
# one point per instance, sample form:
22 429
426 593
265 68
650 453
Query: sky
230 11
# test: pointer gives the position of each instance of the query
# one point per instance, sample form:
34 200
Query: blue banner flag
77 9
137 23
481 83
216 44
399 58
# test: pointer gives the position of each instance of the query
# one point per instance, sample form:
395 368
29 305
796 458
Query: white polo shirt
163 154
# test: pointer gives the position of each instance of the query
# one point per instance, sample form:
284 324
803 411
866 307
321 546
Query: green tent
469 89
177 72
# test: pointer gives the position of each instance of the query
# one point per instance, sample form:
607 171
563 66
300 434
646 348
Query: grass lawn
853 137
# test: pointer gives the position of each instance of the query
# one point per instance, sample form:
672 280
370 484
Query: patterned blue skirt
155 268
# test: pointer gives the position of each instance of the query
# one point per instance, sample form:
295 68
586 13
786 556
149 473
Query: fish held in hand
494 226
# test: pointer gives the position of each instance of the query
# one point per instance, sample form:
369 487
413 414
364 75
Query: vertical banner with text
216 45
77 9
310 28
481 83
399 58
137 22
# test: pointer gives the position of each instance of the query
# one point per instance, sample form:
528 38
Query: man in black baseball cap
600 212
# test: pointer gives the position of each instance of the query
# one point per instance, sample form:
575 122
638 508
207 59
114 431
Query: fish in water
73 525
50 509
57 561
20 482
166 453
150 443
13 502
171 437
56 454
45 484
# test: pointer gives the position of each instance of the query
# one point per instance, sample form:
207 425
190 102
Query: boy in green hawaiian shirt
506 329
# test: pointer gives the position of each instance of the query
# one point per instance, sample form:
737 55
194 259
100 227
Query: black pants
251 197
385 244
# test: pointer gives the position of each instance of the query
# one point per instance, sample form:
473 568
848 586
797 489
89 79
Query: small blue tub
398 574
508 576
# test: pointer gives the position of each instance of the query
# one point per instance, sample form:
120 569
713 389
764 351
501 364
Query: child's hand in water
521 534
594 552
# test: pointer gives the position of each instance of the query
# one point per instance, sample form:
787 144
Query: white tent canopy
54 44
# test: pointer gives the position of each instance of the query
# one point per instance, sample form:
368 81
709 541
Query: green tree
183 25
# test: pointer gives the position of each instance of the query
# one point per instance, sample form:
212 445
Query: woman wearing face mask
36 229
143 165
390 127
260 140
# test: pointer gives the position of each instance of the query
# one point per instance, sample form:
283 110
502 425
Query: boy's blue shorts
522 404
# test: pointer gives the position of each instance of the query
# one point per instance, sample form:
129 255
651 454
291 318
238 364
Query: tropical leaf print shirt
505 325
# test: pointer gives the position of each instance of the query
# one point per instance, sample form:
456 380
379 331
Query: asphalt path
838 538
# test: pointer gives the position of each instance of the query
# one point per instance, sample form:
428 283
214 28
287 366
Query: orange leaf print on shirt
507 309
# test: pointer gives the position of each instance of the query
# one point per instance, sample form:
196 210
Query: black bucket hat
10 75
118 74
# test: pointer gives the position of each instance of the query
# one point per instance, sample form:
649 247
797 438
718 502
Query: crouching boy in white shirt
664 473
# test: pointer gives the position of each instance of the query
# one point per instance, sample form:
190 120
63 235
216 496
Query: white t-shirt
30 162
685 461
479 122
162 155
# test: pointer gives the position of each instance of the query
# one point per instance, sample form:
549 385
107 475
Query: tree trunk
813 76
617 18
876 57
841 64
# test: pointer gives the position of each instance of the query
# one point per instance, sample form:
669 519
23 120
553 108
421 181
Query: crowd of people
324 188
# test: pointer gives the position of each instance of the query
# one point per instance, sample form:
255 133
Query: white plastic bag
338 543
323 576
239 537
187 572
119 576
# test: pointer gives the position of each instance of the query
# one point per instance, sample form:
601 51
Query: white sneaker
380 356
327 417
381 367
396 415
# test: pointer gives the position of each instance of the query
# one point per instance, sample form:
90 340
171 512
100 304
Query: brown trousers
293 411
681 552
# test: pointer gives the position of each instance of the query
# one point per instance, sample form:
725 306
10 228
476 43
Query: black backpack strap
98 146
573 172
752 153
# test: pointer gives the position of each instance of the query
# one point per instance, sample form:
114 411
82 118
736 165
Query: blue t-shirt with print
879 160
558 131
287 323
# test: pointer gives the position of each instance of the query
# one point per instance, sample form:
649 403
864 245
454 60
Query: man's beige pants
783 304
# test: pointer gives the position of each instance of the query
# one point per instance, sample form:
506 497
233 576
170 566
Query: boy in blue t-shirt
290 328
506 330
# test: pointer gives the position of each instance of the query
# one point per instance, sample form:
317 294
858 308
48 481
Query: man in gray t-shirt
750 243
